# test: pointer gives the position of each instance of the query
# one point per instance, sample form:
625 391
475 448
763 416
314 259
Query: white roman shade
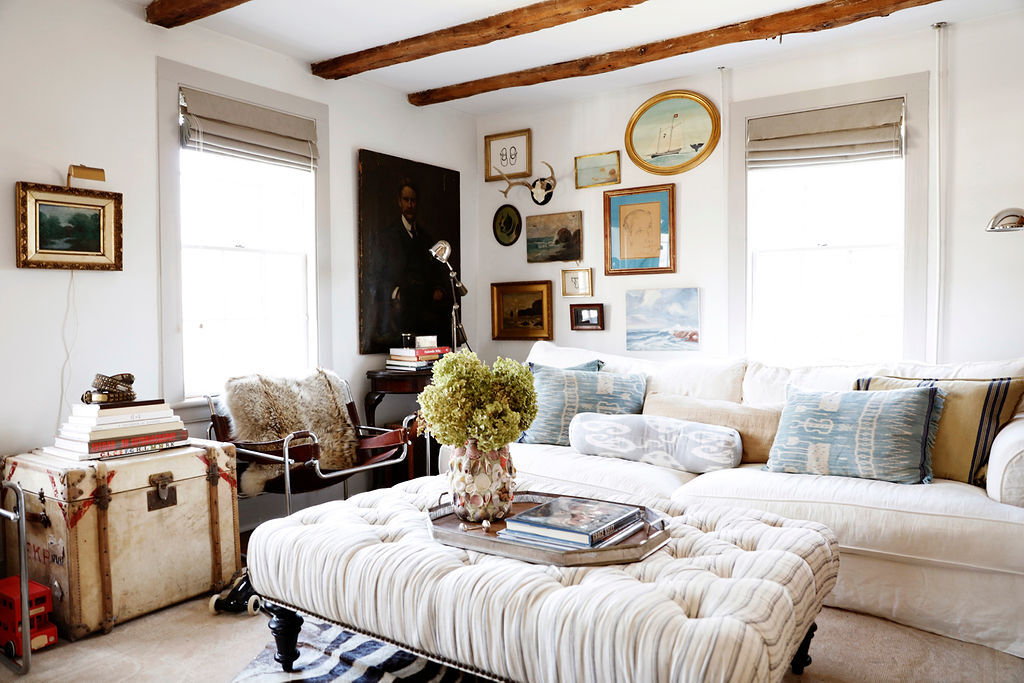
853 132
212 123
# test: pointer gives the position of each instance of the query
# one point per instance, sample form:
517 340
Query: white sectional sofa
946 557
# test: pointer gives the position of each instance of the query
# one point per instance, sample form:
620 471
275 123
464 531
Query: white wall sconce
1007 220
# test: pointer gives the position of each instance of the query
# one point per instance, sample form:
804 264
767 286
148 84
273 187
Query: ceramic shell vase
481 482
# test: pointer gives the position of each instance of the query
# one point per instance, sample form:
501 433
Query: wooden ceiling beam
818 17
171 13
508 24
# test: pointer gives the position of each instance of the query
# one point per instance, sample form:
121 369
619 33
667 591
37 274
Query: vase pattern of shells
481 482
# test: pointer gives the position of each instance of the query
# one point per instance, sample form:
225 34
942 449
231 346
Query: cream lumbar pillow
974 411
756 424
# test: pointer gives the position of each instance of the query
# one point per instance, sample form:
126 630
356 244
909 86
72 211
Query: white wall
982 153
79 82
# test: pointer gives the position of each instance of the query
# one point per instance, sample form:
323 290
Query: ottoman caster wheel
9 649
213 604
253 605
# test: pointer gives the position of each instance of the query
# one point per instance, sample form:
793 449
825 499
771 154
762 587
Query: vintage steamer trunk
118 538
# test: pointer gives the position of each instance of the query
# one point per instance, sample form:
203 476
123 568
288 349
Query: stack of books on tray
419 358
574 524
95 431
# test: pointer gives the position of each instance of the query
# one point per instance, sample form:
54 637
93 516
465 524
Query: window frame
914 88
171 75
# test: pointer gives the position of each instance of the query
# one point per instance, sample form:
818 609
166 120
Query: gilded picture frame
577 282
593 170
586 316
639 230
521 310
673 132
509 154
67 228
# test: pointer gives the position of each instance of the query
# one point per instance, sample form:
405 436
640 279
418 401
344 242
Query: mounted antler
511 184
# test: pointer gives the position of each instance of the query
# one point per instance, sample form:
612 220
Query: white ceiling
315 30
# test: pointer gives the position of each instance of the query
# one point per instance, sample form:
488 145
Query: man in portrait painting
403 288
640 235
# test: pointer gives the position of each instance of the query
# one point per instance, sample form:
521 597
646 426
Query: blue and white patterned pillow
886 435
663 441
561 394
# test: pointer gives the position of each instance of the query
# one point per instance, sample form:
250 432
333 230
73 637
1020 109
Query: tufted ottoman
731 597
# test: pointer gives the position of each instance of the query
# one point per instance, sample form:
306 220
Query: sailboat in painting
666 136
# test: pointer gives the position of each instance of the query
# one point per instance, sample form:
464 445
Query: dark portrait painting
405 207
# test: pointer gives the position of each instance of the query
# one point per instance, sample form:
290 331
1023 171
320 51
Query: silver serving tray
444 526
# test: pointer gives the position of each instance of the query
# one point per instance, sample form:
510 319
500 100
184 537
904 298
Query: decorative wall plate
507 225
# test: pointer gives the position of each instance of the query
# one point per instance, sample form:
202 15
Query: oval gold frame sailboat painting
672 132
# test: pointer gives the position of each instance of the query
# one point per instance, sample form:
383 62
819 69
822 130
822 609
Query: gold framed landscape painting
639 230
521 310
67 227
672 132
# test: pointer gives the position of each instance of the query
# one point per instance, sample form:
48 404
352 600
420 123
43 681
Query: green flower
467 400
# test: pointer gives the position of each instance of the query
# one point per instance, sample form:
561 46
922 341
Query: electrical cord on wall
70 310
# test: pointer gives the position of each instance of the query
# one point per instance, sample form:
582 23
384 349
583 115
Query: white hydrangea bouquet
479 410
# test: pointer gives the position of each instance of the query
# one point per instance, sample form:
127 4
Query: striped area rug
330 653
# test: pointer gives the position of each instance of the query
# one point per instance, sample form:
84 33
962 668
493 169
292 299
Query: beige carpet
187 643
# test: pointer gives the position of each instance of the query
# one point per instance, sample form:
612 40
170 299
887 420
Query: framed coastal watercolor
663 319
586 316
554 237
521 310
507 154
67 227
672 132
639 230
577 282
507 225
598 169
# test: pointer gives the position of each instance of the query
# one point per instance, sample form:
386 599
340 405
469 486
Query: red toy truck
40 604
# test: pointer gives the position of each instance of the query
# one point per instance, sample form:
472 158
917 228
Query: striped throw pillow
884 435
561 394
974 412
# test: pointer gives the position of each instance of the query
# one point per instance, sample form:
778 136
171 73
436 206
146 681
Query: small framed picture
586 316
639 230
577 282
67 227
521 310
597 169
507 155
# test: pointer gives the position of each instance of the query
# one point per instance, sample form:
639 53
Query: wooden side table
384 382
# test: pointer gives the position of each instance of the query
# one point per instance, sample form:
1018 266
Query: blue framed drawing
639 230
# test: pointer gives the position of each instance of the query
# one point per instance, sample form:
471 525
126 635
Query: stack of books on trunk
574 524
419 358
95 431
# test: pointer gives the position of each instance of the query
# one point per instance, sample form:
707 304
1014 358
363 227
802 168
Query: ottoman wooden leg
801 659
285 625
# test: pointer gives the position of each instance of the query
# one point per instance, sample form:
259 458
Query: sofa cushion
756 424
883 435
664 441
766 384
1006 465
560 469
561 394
703 377
974 411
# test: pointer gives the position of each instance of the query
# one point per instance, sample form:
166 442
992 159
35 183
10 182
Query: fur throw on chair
267 408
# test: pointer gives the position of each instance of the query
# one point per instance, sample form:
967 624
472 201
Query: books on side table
419 358
573 523
107 430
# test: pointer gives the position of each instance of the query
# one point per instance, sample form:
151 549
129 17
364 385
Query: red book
102 445
425 351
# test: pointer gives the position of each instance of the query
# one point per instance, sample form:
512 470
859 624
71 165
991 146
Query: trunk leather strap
213 478
102 500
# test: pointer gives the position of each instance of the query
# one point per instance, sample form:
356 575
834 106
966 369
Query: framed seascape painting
639 230
521 310
672 132
554 237
404 207
663 319
586 316
597 169
67 227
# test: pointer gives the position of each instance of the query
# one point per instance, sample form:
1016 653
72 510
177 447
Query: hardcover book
104 445
576 520
556 544
73 430
124 408
115 453
417 352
